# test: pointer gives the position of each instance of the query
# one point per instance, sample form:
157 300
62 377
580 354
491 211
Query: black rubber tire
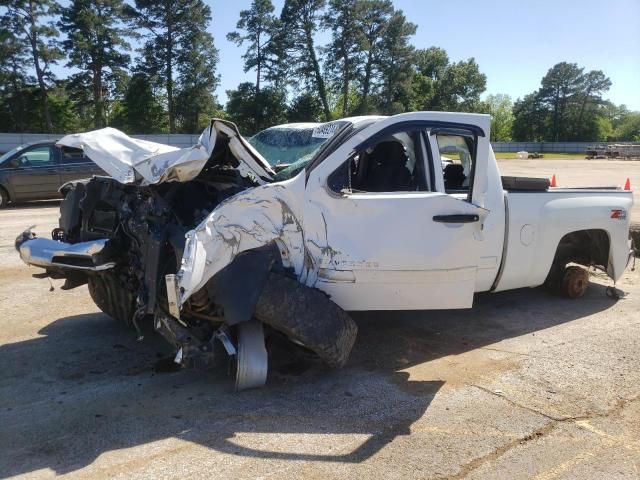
308 316
112 297
4 198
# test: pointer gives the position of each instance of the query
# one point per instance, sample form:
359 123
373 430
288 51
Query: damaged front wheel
113 298
307 316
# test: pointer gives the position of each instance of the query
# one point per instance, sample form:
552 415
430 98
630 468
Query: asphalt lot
525 385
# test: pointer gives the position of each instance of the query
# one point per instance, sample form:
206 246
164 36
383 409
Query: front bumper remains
45 253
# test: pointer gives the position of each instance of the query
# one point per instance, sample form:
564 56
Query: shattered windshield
292 146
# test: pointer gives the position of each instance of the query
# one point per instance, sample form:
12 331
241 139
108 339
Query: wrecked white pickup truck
386 213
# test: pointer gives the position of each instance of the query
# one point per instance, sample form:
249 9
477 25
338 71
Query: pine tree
28 22
13 76
95 43
373 18
300 20
257 27
344 53
558 91
176 36
395 62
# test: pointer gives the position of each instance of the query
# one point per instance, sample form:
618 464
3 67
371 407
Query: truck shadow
86 388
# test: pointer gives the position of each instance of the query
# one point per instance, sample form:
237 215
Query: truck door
382 236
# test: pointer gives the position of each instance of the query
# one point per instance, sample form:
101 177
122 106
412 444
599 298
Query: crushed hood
134 161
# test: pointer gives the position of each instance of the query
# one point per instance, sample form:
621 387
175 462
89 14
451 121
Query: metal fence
9 141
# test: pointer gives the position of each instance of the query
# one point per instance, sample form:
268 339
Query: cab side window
457 156
394 164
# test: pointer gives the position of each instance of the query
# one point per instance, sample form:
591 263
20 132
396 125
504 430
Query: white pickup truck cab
380 225
407 212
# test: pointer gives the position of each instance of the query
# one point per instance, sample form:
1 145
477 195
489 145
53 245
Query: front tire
308 316
112 297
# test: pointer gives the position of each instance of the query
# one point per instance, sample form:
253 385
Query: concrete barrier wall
9 141
543 147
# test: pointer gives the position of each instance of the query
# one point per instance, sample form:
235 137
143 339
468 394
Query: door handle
471 218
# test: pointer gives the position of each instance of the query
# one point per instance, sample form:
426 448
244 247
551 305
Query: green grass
547 155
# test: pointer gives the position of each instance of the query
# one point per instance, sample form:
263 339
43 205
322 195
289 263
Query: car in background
37 170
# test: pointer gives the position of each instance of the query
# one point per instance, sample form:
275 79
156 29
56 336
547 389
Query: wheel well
585 247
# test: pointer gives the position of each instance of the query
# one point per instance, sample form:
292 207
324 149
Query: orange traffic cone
553 181
627 184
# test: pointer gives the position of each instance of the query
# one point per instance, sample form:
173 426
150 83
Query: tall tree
595 83
394 63
171 26
13 75
500 107
529 119
300 21
629 127
258 27
95 43
439 84
373 19
558 90
305 108
197 83
344 53
243 102
141 110
567 107
29 22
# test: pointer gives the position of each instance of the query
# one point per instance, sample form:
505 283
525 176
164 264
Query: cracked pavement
525 385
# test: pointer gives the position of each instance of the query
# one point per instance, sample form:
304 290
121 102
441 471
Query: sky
514 42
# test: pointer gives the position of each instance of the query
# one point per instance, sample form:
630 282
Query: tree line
367 66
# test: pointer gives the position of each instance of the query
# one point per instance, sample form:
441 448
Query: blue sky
514 42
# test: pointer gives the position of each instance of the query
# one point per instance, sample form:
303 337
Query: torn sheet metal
131 160
248 220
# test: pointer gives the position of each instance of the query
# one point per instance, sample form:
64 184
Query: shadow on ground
86 387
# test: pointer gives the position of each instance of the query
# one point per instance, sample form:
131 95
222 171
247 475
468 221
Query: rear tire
308 316
4 198
113 298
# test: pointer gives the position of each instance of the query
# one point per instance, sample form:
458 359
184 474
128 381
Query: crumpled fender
249 220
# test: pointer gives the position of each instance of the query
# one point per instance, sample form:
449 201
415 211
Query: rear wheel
112 297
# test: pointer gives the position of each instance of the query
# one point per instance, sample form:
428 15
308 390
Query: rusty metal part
575 282
199 301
